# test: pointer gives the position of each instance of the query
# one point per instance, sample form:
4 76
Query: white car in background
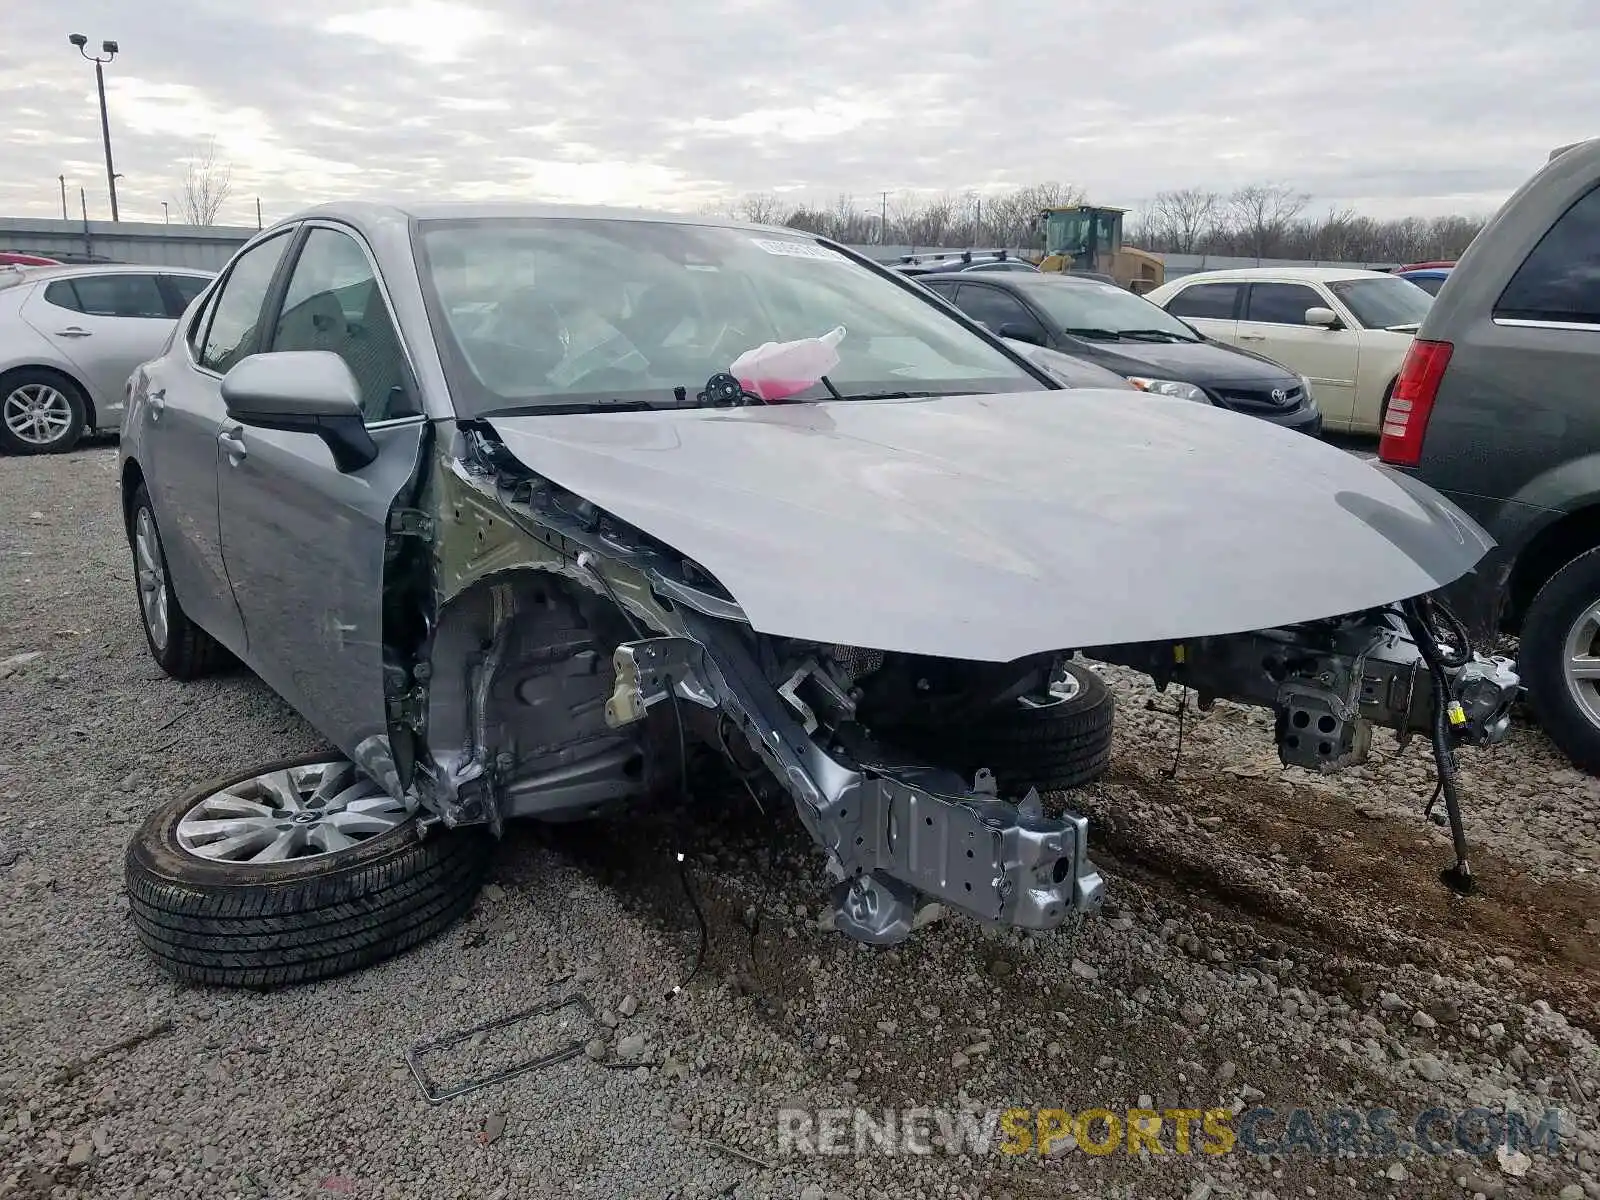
69 338
1346 330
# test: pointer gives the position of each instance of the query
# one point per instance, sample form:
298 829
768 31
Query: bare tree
207 185
1262 220
1261 212
1184 219
762 209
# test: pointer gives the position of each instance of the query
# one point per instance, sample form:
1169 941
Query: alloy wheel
289 815
151 571
1580 663
37 414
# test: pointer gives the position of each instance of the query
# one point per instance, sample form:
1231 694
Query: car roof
365 212
1299 274
74 270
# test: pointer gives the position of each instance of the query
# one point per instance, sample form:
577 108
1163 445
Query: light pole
109 49
166 217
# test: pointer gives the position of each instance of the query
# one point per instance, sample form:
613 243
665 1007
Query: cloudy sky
1393 106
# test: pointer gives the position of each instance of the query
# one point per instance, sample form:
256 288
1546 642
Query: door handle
1252 337
73 331
232 441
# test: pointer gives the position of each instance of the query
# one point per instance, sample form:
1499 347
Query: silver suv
1498 406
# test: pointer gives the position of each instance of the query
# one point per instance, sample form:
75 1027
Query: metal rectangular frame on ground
426 1084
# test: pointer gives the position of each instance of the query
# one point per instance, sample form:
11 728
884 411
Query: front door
1274 324
107 325
303 541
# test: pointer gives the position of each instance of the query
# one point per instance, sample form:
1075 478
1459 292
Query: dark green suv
1498 407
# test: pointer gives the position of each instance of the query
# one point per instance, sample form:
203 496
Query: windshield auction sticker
792 249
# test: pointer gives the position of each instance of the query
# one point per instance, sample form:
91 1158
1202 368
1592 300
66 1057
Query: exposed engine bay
569 657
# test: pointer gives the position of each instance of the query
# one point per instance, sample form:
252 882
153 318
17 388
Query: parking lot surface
1273 938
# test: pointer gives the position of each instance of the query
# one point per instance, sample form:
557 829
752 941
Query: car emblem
1279 395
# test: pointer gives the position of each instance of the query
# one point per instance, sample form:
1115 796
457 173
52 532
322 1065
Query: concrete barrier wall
209 247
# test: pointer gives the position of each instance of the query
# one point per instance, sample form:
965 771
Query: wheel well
132 477
1551 549
75 384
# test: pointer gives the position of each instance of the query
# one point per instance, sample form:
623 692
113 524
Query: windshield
1380 303
542 312
1102 311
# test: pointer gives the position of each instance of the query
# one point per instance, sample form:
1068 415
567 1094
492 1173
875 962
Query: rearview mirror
302 391
1021 333
1324 317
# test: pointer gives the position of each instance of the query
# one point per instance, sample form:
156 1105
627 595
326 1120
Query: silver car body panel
992 527
96 352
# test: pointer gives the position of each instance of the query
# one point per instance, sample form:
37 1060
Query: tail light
1411 402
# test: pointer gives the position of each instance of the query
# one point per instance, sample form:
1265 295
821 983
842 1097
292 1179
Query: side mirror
1325 317
1021 333
302 391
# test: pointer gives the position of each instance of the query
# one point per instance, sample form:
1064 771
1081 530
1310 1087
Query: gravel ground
1273 937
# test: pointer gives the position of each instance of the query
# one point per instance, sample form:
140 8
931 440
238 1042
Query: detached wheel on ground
1060 739
180 647
301 870
40 412
1559 659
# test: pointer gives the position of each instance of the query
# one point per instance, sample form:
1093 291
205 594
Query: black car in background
1112 327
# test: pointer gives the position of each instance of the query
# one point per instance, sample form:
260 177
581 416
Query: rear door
304 541
1274 323
107 325
1212 308
180 414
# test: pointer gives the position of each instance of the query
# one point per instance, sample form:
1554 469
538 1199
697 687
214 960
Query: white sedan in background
1346 330
69 338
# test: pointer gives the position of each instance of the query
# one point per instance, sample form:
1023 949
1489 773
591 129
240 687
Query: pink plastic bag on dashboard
777 370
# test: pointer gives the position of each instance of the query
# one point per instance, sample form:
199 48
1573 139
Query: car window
196 333
234 329
995 308
109 295
1428 283
1217 301
1097 311
181 291
1560 279
1383 303
568 312
333 302
1281 303
60 294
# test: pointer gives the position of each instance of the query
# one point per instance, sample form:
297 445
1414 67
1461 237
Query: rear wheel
180 647
299 870
1559 659
40 413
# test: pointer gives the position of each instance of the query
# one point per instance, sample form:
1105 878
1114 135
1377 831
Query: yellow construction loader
1087 239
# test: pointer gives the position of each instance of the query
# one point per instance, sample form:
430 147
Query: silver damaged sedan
513 505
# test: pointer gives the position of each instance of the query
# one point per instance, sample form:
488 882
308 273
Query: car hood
1202 363
989 527
1069 370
